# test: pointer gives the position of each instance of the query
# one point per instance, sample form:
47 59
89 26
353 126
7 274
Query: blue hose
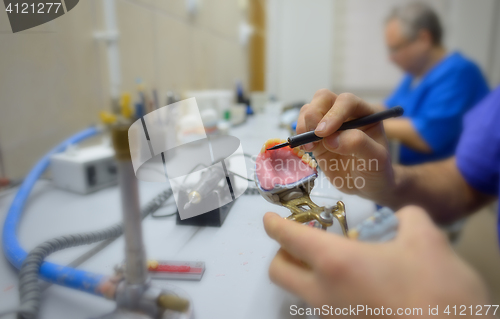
65 276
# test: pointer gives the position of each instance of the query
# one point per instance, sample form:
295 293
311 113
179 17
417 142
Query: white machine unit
84 170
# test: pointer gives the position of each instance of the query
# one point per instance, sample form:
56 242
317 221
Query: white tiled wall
54 78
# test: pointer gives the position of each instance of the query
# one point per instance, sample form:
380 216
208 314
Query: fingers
303 242
308 119
411 218
301 124
292 236
416 226
312 113
327 112
355 142
289 274
319 151
346 106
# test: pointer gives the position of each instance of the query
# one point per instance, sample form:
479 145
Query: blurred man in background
436 91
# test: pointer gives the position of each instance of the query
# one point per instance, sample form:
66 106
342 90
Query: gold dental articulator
305 210
380 227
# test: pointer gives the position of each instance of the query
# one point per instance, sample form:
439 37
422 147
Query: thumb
416 226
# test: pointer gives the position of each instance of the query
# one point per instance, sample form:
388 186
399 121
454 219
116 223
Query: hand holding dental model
285 176
418 268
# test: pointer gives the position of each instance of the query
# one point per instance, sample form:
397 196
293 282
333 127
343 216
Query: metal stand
135 296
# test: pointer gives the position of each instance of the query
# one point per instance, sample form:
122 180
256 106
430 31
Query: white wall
475 30
54 78
495 65
353 55
299 48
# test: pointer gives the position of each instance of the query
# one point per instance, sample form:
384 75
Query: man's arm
437 187
402 129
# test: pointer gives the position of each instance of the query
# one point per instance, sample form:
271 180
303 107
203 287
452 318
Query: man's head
412 32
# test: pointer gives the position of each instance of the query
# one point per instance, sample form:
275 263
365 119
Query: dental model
284 167
286 177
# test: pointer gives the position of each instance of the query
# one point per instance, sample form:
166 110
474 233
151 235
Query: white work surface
237 255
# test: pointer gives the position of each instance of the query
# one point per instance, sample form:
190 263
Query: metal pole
135 256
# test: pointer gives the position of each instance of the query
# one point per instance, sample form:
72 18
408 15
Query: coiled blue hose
65 276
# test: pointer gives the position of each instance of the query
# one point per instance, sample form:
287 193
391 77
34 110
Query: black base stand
213 218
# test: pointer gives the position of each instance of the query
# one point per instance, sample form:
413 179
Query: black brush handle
310 137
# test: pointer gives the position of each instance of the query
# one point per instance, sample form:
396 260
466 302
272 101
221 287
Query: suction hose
69 277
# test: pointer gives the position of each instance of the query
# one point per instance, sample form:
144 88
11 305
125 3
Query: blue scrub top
437 104
478 152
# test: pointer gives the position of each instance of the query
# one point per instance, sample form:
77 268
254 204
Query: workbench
237 255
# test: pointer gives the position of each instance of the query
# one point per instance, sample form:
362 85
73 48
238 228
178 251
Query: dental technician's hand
417 269
336 152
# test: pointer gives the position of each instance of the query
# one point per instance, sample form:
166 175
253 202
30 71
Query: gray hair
416 16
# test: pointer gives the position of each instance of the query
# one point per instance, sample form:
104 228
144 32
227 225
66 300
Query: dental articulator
286 177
